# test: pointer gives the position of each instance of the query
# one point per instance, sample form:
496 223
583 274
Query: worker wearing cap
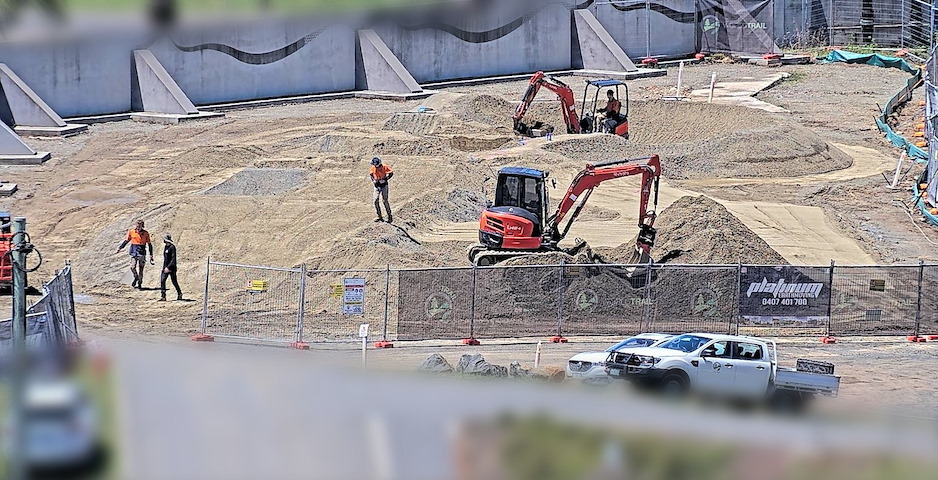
380 174
169 268
611 111
139 240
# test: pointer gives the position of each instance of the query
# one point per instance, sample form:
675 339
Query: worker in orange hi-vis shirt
380 174
139 240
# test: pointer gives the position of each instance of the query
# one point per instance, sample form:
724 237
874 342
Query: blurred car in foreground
61 431
590 367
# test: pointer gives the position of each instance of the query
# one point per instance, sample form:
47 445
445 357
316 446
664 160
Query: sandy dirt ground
287 185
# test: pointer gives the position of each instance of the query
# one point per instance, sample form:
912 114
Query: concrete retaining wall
224 64
473 43
667 28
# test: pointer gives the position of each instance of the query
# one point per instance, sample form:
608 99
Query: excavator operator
611 111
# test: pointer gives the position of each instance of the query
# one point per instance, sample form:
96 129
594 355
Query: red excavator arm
564 93
594 174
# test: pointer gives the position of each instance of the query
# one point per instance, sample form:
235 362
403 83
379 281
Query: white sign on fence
363 330
353 296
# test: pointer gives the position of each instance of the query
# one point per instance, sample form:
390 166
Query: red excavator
585 122
518 223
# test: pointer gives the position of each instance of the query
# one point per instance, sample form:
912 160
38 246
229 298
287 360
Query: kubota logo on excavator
513 228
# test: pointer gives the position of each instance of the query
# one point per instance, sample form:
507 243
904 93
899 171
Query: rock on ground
476 365
435 364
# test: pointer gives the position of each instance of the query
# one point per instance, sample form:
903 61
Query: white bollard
680 74
895 178
537 355
713 82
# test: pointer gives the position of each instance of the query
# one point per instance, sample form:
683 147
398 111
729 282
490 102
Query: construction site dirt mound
380 244
414 123
484 109
707 233
699 140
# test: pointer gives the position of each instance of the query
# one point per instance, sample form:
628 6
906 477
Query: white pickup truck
724 365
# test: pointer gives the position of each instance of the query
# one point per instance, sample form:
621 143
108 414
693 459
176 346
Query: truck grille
576 366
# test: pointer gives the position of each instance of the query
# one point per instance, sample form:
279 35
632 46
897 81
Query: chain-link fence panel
338 302
518 301
252 302
435 303
784 300
685 298
603 300
874 300
928 317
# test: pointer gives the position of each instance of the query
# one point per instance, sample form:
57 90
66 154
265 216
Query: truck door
714 376
753 369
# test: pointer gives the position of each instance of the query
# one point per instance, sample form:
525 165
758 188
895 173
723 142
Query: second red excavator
585 121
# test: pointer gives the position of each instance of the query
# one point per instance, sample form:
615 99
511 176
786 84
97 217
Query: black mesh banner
737 26
787 293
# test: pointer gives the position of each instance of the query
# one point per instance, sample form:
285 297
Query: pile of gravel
260 182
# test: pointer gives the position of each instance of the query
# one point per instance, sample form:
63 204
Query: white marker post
680 74
895 178
537 355
363 333
713 82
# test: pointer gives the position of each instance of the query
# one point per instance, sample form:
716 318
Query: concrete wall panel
259 61
483 43
658 28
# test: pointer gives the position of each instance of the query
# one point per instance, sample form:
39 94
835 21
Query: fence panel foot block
384 344
203 338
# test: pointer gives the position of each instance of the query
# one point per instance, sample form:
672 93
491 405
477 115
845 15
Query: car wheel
674 385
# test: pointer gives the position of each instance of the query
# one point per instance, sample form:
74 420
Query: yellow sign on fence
258 286
337 290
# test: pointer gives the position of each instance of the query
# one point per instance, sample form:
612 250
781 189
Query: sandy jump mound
706 233
378 244
698 140
357 144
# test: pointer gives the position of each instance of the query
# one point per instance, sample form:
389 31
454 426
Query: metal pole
830 23
301 308
713 82
738 296
560 293
830 298
918 302
646 300
17 446
387 302
931 29
904 12
680 73
208 271
472 304
647 29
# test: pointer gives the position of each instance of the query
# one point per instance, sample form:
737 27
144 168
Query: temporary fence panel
252 302
691 299
931 125
60 302
784 300
436 303
881 23
928 301
42 340
603 299
337 302
737 26
874 300
519 301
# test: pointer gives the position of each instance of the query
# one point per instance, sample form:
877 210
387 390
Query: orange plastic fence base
649 61
471 341
914 339
384 344
828 340
932 338
299 346
203 338
700 56
558 340
771 56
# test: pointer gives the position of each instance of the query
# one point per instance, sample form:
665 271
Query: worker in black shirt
169 268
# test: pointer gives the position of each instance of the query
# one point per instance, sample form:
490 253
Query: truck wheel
787 401
674 385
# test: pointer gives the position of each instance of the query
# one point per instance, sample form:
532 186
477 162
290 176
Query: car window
720 349
510 192
531 200
633 342
685 343
749 351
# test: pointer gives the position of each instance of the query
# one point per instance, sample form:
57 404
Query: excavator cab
518 217
589 122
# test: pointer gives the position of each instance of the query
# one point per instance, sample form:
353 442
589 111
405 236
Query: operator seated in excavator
611 113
